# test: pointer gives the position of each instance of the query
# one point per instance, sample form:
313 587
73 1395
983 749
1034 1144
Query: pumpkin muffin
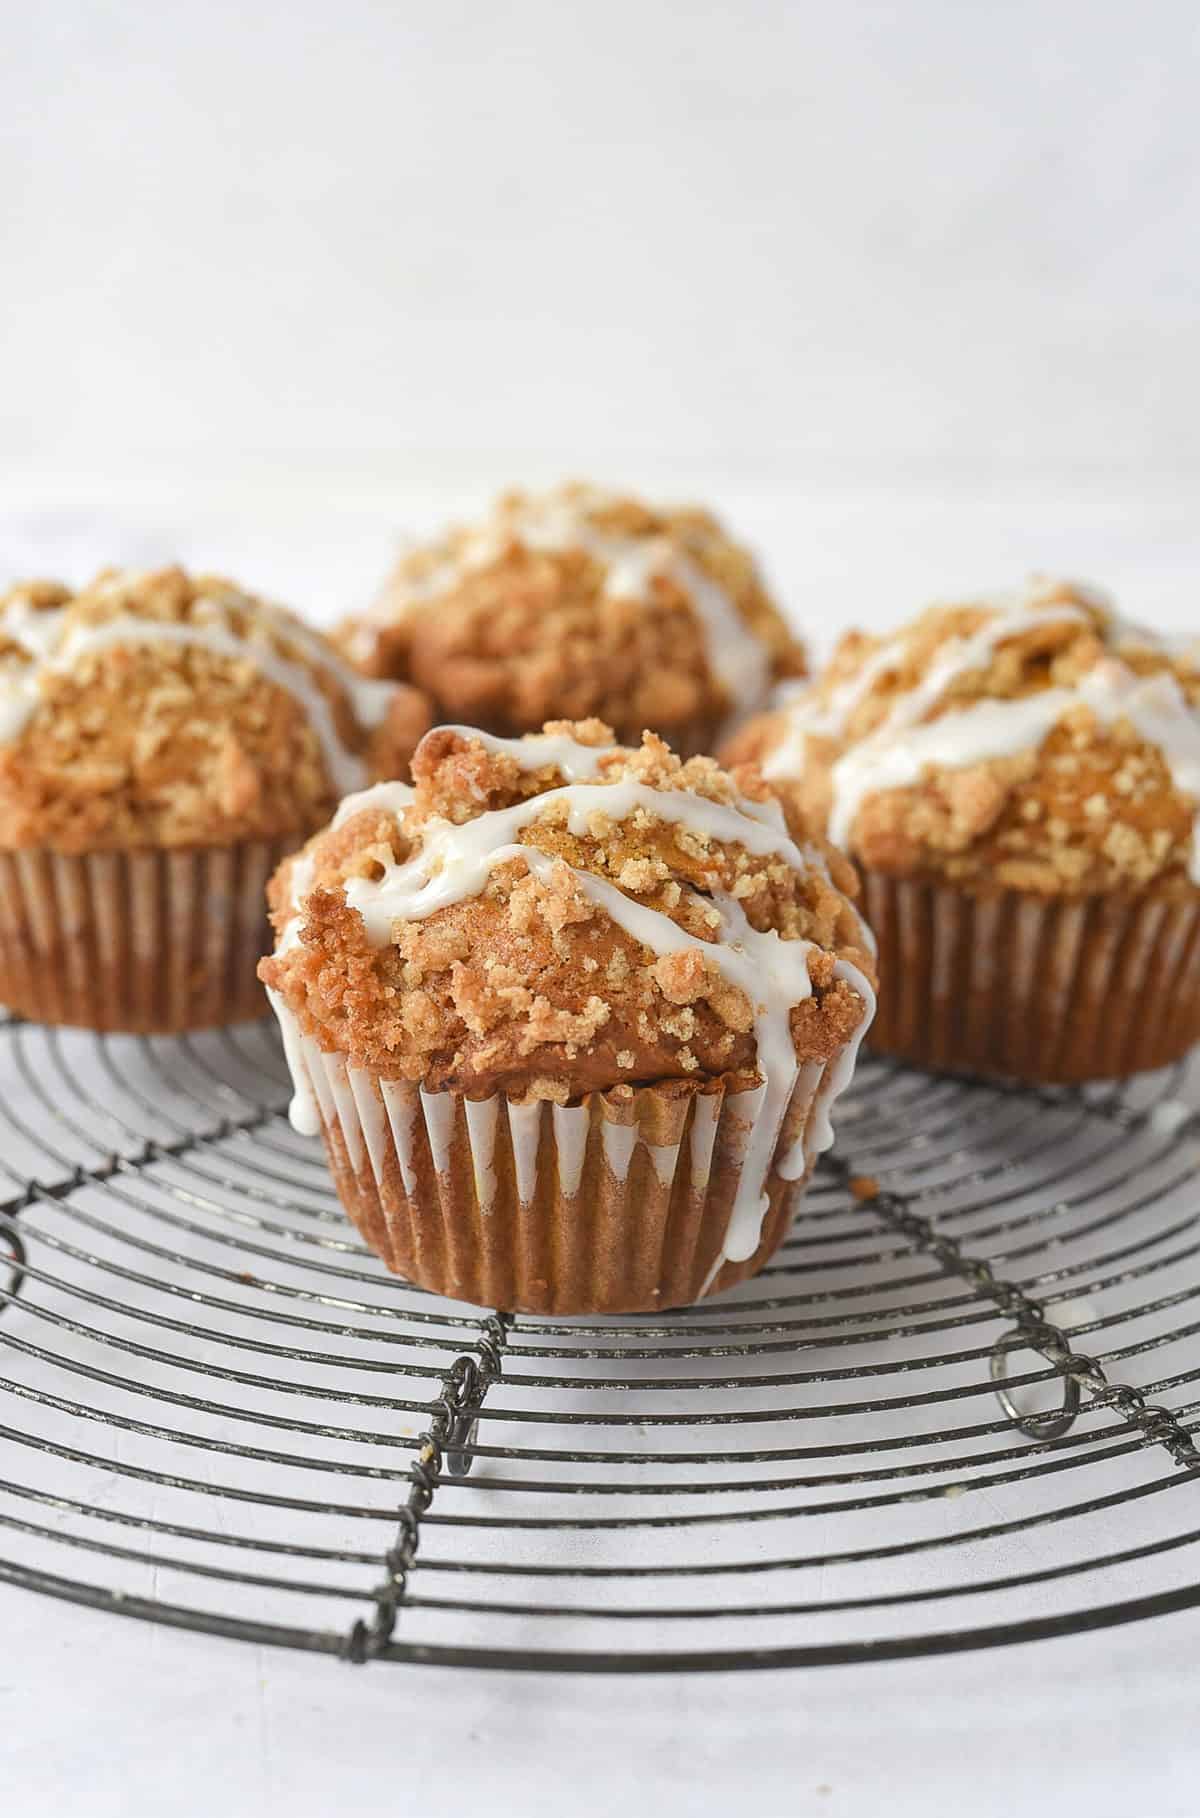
164 741
577 603
571 1017
1019 782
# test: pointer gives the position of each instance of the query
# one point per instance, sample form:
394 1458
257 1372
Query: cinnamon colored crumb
1094 808
530 987
166 745
530 635
863 1186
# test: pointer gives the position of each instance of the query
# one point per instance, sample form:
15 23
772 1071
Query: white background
751 233
910 291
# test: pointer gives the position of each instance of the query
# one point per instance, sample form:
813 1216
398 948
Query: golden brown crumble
165 744
530 634
530 987
1093 808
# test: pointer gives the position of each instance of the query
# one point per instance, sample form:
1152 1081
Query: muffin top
1037 742
163 709
578 603
557 915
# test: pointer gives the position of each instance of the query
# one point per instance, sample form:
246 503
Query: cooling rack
957 1411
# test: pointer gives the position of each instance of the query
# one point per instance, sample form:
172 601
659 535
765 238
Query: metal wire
958 1410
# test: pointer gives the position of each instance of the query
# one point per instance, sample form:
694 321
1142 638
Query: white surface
119 1720
628 230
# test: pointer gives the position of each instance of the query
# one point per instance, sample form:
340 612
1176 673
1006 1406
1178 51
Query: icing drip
55 649
737 658
303 1112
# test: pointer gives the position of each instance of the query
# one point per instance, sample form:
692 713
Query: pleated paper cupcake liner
1048 989
620 1204
144 941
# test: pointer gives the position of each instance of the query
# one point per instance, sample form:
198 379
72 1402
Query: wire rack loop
1053 1423
445 1444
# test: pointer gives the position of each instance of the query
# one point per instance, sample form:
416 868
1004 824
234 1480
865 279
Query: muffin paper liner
619 1204
153 941
1047 989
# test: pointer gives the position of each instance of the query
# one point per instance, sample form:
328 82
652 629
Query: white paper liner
1047 989
147 941
620 1203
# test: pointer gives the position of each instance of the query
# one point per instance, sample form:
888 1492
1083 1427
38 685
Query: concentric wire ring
219 1412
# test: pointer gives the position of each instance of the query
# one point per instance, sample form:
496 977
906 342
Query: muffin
164 741
571 1017
1018 780
578 603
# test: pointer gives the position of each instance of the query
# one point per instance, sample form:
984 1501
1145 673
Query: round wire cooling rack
957 1410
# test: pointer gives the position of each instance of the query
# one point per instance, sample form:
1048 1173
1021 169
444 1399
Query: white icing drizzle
390 798
583 763
898 752
810 716
819 1136
303 1112
807 716
738 659
542 751
454 861
1155 706
55 647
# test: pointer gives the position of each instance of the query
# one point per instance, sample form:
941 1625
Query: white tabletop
117 1718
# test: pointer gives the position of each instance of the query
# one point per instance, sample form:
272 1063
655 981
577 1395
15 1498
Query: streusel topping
1040 743
559 915
171 710
579 603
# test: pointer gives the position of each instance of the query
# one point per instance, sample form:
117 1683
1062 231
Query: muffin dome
161 709
1019 782
558 915
1038 743
579 603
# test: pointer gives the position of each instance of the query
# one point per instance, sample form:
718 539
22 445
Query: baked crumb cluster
1094 791
528 984
578 603
157 737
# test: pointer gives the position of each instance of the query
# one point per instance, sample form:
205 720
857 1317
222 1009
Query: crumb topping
1040 743
168 709
561 915
578 603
